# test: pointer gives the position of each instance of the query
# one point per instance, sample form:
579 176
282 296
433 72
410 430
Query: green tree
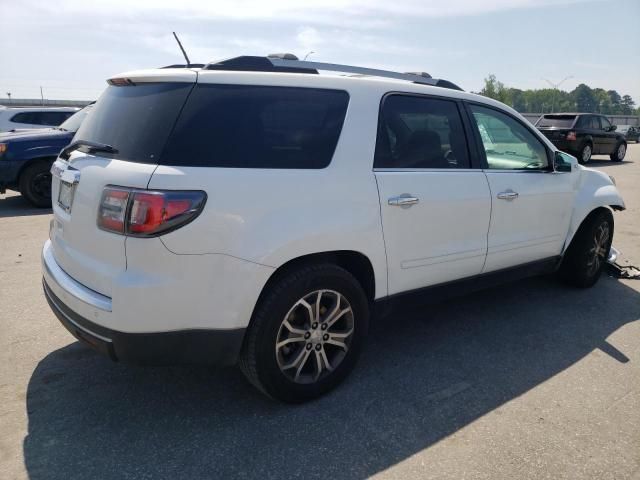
545 100
495 89
627 105
584 99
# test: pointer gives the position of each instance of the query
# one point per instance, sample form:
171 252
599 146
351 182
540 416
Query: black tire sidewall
574 268
26 184
614 155
580 156
272 379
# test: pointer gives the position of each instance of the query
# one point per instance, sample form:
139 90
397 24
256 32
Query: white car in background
255 211
19 118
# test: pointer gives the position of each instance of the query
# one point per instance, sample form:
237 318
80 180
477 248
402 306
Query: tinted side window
53 118
23 117
604 123
243 126
419 132
508 144
584 122
595 123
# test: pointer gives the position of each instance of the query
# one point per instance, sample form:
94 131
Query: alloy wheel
314 336
622 150
598 252
586 154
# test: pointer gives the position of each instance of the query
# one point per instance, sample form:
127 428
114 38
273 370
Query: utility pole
555 87
9 95
41 96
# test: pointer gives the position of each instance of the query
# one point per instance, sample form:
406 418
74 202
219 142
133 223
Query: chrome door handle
508 195
404 200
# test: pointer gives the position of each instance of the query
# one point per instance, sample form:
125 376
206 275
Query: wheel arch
356 263
575 225
31 161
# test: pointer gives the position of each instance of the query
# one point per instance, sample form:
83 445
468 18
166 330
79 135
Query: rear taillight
147 213
571 136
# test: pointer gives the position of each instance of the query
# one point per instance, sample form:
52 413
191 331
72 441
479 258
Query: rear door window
420 132
53 118
245 126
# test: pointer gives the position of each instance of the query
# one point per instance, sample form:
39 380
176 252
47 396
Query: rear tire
618 154
290 338
35 184
586 257
585 153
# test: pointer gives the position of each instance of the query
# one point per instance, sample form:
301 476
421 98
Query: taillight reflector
571 136
146 213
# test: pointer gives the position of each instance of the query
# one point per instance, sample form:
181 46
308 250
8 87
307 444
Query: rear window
558 121
243 126
136 120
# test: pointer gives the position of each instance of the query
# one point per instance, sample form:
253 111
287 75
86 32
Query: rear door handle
508 195
404 200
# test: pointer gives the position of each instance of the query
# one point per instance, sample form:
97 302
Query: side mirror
613 128
563 162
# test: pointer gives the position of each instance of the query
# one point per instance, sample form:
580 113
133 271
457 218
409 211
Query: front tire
306 333
618 154
35 184
587 255
585 153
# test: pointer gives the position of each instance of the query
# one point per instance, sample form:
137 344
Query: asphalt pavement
529 380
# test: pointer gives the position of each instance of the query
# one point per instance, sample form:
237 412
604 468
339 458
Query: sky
70 47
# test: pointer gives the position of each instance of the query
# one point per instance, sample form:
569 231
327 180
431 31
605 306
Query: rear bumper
205 347
571 147
89 316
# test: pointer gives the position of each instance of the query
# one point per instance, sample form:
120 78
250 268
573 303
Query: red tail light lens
113 209
571 136
150 213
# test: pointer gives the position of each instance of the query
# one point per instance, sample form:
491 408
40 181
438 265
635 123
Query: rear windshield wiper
87 146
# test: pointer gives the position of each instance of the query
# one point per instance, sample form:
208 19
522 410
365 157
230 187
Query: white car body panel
534 225
441 238
92 256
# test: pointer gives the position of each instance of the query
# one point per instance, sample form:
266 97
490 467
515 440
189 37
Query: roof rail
286 62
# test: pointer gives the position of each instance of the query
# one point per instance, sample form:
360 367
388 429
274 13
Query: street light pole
555 87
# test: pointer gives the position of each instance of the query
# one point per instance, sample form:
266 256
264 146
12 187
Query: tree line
581 99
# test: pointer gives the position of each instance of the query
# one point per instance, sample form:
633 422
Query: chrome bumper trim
56 277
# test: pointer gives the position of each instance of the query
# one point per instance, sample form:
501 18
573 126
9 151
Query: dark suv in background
583 135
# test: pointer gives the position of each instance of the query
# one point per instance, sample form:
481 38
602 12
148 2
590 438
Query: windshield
559 121
73 122
135 120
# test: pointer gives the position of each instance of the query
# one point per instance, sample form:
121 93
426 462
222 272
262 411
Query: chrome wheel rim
598 252
621 151
586 154
314 336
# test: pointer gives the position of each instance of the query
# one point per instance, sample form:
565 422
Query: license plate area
65 195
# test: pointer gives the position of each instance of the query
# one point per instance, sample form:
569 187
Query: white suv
255 211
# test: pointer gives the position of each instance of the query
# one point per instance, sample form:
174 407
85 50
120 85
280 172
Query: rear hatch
555 126
135 115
